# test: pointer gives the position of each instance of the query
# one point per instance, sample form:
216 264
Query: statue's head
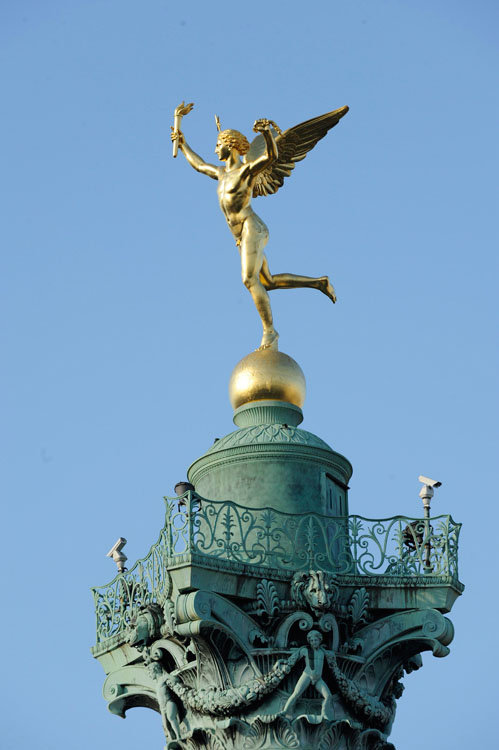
314 638
228 140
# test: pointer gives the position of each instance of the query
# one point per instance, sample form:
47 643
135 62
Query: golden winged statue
251 170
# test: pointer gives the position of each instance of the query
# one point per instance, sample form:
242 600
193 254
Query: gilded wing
293 145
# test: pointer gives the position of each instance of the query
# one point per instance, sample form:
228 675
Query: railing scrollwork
398 546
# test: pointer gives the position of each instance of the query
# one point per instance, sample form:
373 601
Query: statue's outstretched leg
292 281
253 240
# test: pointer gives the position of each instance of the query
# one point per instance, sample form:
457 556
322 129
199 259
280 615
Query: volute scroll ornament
302 619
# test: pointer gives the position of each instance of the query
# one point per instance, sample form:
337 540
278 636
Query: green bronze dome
270 461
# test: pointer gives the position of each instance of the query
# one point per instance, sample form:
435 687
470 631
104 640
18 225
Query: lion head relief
145 627
314 588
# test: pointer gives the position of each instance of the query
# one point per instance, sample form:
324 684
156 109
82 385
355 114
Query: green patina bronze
273 463
266 616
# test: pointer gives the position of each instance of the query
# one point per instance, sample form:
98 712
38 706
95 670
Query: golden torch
180 111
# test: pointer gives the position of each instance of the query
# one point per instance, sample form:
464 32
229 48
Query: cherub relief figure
251 170
167 706
314 655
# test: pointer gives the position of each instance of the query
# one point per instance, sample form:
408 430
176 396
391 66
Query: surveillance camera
118 555
429 482
117 547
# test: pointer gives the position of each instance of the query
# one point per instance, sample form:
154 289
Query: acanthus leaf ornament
267 599
358 607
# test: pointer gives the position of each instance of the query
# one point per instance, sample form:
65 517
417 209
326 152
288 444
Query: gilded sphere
267 375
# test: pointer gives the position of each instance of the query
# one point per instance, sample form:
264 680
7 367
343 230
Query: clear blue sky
123 313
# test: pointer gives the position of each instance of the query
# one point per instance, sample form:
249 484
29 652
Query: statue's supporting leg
327 706
253 241
300 687
293 281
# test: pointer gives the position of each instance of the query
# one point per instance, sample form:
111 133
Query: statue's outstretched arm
194 159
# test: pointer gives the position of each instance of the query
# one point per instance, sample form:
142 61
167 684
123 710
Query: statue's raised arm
263 160
179 142
257 169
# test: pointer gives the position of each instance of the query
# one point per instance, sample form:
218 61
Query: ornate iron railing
350 545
